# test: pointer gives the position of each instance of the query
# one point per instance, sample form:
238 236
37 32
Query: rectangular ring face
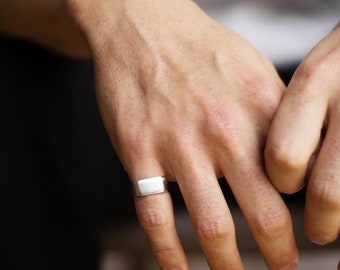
149 186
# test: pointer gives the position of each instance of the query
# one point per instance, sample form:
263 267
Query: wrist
95 20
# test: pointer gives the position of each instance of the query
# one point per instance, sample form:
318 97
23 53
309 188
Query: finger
322 211
155 214
266 214
210 215
295 132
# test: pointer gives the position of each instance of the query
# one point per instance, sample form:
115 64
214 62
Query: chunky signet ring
149 186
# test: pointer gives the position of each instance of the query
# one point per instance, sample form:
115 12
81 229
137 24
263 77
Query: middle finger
265 212
209 213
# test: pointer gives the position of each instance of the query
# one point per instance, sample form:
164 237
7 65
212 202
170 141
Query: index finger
295 133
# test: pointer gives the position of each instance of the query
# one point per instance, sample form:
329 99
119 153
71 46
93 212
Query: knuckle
182 136
261 92
218 121
180 133
313 71
284 157
331 200
151 217
326 192
286 167
271 222
137 143
221 127
215 229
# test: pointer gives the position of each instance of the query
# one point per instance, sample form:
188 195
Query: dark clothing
59 177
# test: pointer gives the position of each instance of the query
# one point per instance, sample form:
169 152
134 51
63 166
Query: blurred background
65 201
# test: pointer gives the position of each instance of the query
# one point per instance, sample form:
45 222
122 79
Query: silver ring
150 186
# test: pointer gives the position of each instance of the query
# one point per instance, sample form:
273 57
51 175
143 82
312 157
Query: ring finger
155 214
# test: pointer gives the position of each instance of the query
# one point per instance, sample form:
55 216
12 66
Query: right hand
184 97
303 143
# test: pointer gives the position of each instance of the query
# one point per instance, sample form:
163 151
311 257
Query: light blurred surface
284 31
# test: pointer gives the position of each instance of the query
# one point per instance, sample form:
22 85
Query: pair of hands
184 97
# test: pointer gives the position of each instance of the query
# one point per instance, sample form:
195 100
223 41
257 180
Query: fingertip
319 243
321 233
321 240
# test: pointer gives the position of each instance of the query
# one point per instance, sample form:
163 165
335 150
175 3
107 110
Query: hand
303 143
182 96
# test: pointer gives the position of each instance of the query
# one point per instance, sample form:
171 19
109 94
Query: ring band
150 186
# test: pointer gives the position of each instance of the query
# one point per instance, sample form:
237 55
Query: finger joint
272 222
215 228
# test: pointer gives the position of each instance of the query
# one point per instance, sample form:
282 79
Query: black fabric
60 181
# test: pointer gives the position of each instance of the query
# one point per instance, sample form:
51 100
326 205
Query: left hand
303 143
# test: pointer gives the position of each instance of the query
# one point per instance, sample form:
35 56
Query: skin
180 96
303 142
48 23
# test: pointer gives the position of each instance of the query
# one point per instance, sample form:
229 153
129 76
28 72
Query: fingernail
318 242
